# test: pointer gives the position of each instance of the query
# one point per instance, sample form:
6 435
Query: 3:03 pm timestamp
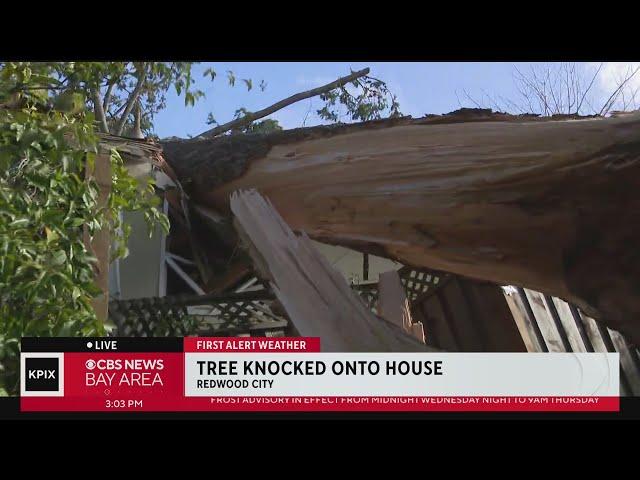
123 403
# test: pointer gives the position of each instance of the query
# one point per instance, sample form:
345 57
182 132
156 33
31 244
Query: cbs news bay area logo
140 372
43 374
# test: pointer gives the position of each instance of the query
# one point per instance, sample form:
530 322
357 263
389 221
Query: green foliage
210 72
118 85
115 88
259 126
263 126
368 99
365 98
157 79
48 204
70 102
231 78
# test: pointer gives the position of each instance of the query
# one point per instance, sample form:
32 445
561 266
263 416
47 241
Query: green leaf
210 72
21 222
70 102
58 257
52 236
231 78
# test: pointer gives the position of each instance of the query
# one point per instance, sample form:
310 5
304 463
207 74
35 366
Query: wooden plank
428 333
525 319
393 304
100 244
569 325
627 361
577 318
316 297
591 327
553 313
392 300
603 342
522 321
545 321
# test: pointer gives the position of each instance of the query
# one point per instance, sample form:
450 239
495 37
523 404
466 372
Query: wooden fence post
100 244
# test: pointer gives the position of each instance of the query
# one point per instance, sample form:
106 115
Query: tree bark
549 205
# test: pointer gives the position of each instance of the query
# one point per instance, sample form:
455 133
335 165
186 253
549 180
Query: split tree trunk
549 205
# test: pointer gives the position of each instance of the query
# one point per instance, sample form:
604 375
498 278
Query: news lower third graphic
293 374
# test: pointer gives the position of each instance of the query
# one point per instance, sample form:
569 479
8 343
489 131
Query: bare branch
99 110
496 106
614 96
247 119
513 105
137 114
131 101
593 79
471 99
107 95
304 122
458 98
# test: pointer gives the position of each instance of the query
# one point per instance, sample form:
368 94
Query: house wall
139 272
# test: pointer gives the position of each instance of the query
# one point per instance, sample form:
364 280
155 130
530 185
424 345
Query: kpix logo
42 374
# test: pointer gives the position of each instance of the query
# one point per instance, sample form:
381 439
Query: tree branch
614 96
593 79
99 110
131 101
247 119
137 115
107 95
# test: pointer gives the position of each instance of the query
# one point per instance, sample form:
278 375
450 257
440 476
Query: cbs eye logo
41 374
90 364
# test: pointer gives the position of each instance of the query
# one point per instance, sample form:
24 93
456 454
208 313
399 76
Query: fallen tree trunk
549 205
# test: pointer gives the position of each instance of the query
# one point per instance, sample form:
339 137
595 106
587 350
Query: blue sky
421 88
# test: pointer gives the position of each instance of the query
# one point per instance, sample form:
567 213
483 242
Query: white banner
401 374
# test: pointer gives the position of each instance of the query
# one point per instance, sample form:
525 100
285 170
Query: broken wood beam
393 304
316 297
